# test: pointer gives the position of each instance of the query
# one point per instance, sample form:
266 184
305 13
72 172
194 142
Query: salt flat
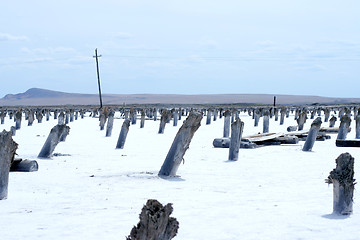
273 192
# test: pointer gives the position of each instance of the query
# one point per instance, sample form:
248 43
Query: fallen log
347 143
20 165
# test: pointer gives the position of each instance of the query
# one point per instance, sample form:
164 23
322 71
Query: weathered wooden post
344 127
155 114
123 133
7 152
276 114
301 120
282 115
155 223
175 117
142 120
266 121
39 116
332 121
52 140
165 115
236 133
311 137
133 114
18 116
30 118
327 114
110 123
2 116
227 115
256 117
208 116
342 178
47 115
215 114
180 144
102 120
55 114
312 114
67 116
357 127
341 112
61 118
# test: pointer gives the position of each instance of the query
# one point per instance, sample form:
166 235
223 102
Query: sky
299 47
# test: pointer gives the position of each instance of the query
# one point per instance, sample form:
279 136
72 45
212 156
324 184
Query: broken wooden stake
342 177
236 133
52 140
123 133
345 122
155 223
312 135
180 144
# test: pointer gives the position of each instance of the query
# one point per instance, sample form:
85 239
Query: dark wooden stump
7 152
155 223
342 177
180 144
312 135
53 140
236 133
301 120
123 134
332 121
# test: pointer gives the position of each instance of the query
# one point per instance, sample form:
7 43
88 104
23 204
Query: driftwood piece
123 133
180 144
155 223
312 135
7 152
52 140
20 165
236 133
342 177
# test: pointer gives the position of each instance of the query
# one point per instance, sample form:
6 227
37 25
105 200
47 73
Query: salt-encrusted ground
273 192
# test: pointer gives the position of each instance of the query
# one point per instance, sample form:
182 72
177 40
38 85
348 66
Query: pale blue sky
309 47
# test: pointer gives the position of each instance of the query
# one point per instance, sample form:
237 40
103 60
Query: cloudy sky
309 47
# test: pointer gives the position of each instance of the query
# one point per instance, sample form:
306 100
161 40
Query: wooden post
256 117
142 120
30 118
39 116
342 178
110 123
208 116
55 114
2 116
47 115
155 114
311 137
52 140
357 128
67 116
282 115
227 115
18 116
180 144
133 116
266 121
332 121
155 223
71 114
175 117
301 120
61 118
123 133
344 127
327 114
276 114
236 133
215 113
7 152
102 119
98 75
165 115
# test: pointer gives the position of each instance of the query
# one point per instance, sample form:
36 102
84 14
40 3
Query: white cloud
9 37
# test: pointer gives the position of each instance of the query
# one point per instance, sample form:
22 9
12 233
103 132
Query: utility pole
98 74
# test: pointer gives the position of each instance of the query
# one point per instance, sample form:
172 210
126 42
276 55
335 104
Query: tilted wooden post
7 152
110 123
344 127
311 137
180 144
236 133
123 134
165 116
266 121
227 115
52 140
342 177
155 223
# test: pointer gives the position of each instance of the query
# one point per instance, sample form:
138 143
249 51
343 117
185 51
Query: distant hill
37 97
